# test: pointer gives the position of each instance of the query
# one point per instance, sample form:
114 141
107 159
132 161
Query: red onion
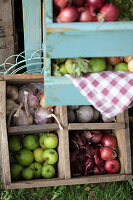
89 164
61 3
95 5
109 140
96 137
41 116
68 14
109 12
99 170
94 19
97 157
112 166
85 15
107 153
78 2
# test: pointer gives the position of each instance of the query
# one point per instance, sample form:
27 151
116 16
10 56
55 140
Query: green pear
48 171
38 155
30 142
41 140
28 173
37 168
14 143
98 64
16 170
121 67
51 141
24 157
50 156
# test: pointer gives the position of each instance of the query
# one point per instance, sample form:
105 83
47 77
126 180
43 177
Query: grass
104 191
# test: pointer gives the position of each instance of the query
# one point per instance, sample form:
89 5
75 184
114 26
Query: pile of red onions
93 152
84 11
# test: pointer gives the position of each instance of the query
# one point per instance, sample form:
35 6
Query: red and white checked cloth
109 92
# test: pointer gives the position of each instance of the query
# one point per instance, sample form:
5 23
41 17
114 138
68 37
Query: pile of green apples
33 157
80 66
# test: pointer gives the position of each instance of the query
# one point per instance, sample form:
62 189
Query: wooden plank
61 91
73 181
22 78
4 139
6 31
95 126
31 129
32 30
64 160
123 139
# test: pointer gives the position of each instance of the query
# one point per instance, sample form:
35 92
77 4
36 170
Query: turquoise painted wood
32 30
69 40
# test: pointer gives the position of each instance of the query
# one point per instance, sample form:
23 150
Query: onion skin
109 12
130 66
23 119
12 92
78 2
107 153
99 170
95 5
128 58
97 137
98 160
112 166
85 14
109 140
61 3
114 60
68 14
40 116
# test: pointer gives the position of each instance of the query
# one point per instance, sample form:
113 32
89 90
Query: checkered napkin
109 92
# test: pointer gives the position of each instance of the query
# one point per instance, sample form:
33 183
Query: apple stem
55 117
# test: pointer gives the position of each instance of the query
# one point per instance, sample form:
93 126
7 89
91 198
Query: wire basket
23 65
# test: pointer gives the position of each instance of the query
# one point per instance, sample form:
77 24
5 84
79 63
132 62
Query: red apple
112 166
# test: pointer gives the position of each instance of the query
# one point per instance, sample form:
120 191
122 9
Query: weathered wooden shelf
120 129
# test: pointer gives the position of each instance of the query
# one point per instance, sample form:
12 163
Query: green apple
48 171
50 156
14 143
38 155
51 141
63 70
16 170
41 140
98 64
121 67
24 157
30 142
37 168
28 173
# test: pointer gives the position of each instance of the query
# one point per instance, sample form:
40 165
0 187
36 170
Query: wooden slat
6 31
64 160
123 138
22 78
3 132
94 126
32 31
20 130
73 181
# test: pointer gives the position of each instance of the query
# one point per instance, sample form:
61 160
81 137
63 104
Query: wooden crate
70 40
120 129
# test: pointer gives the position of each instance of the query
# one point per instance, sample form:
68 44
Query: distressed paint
69 40
61 91
32 29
